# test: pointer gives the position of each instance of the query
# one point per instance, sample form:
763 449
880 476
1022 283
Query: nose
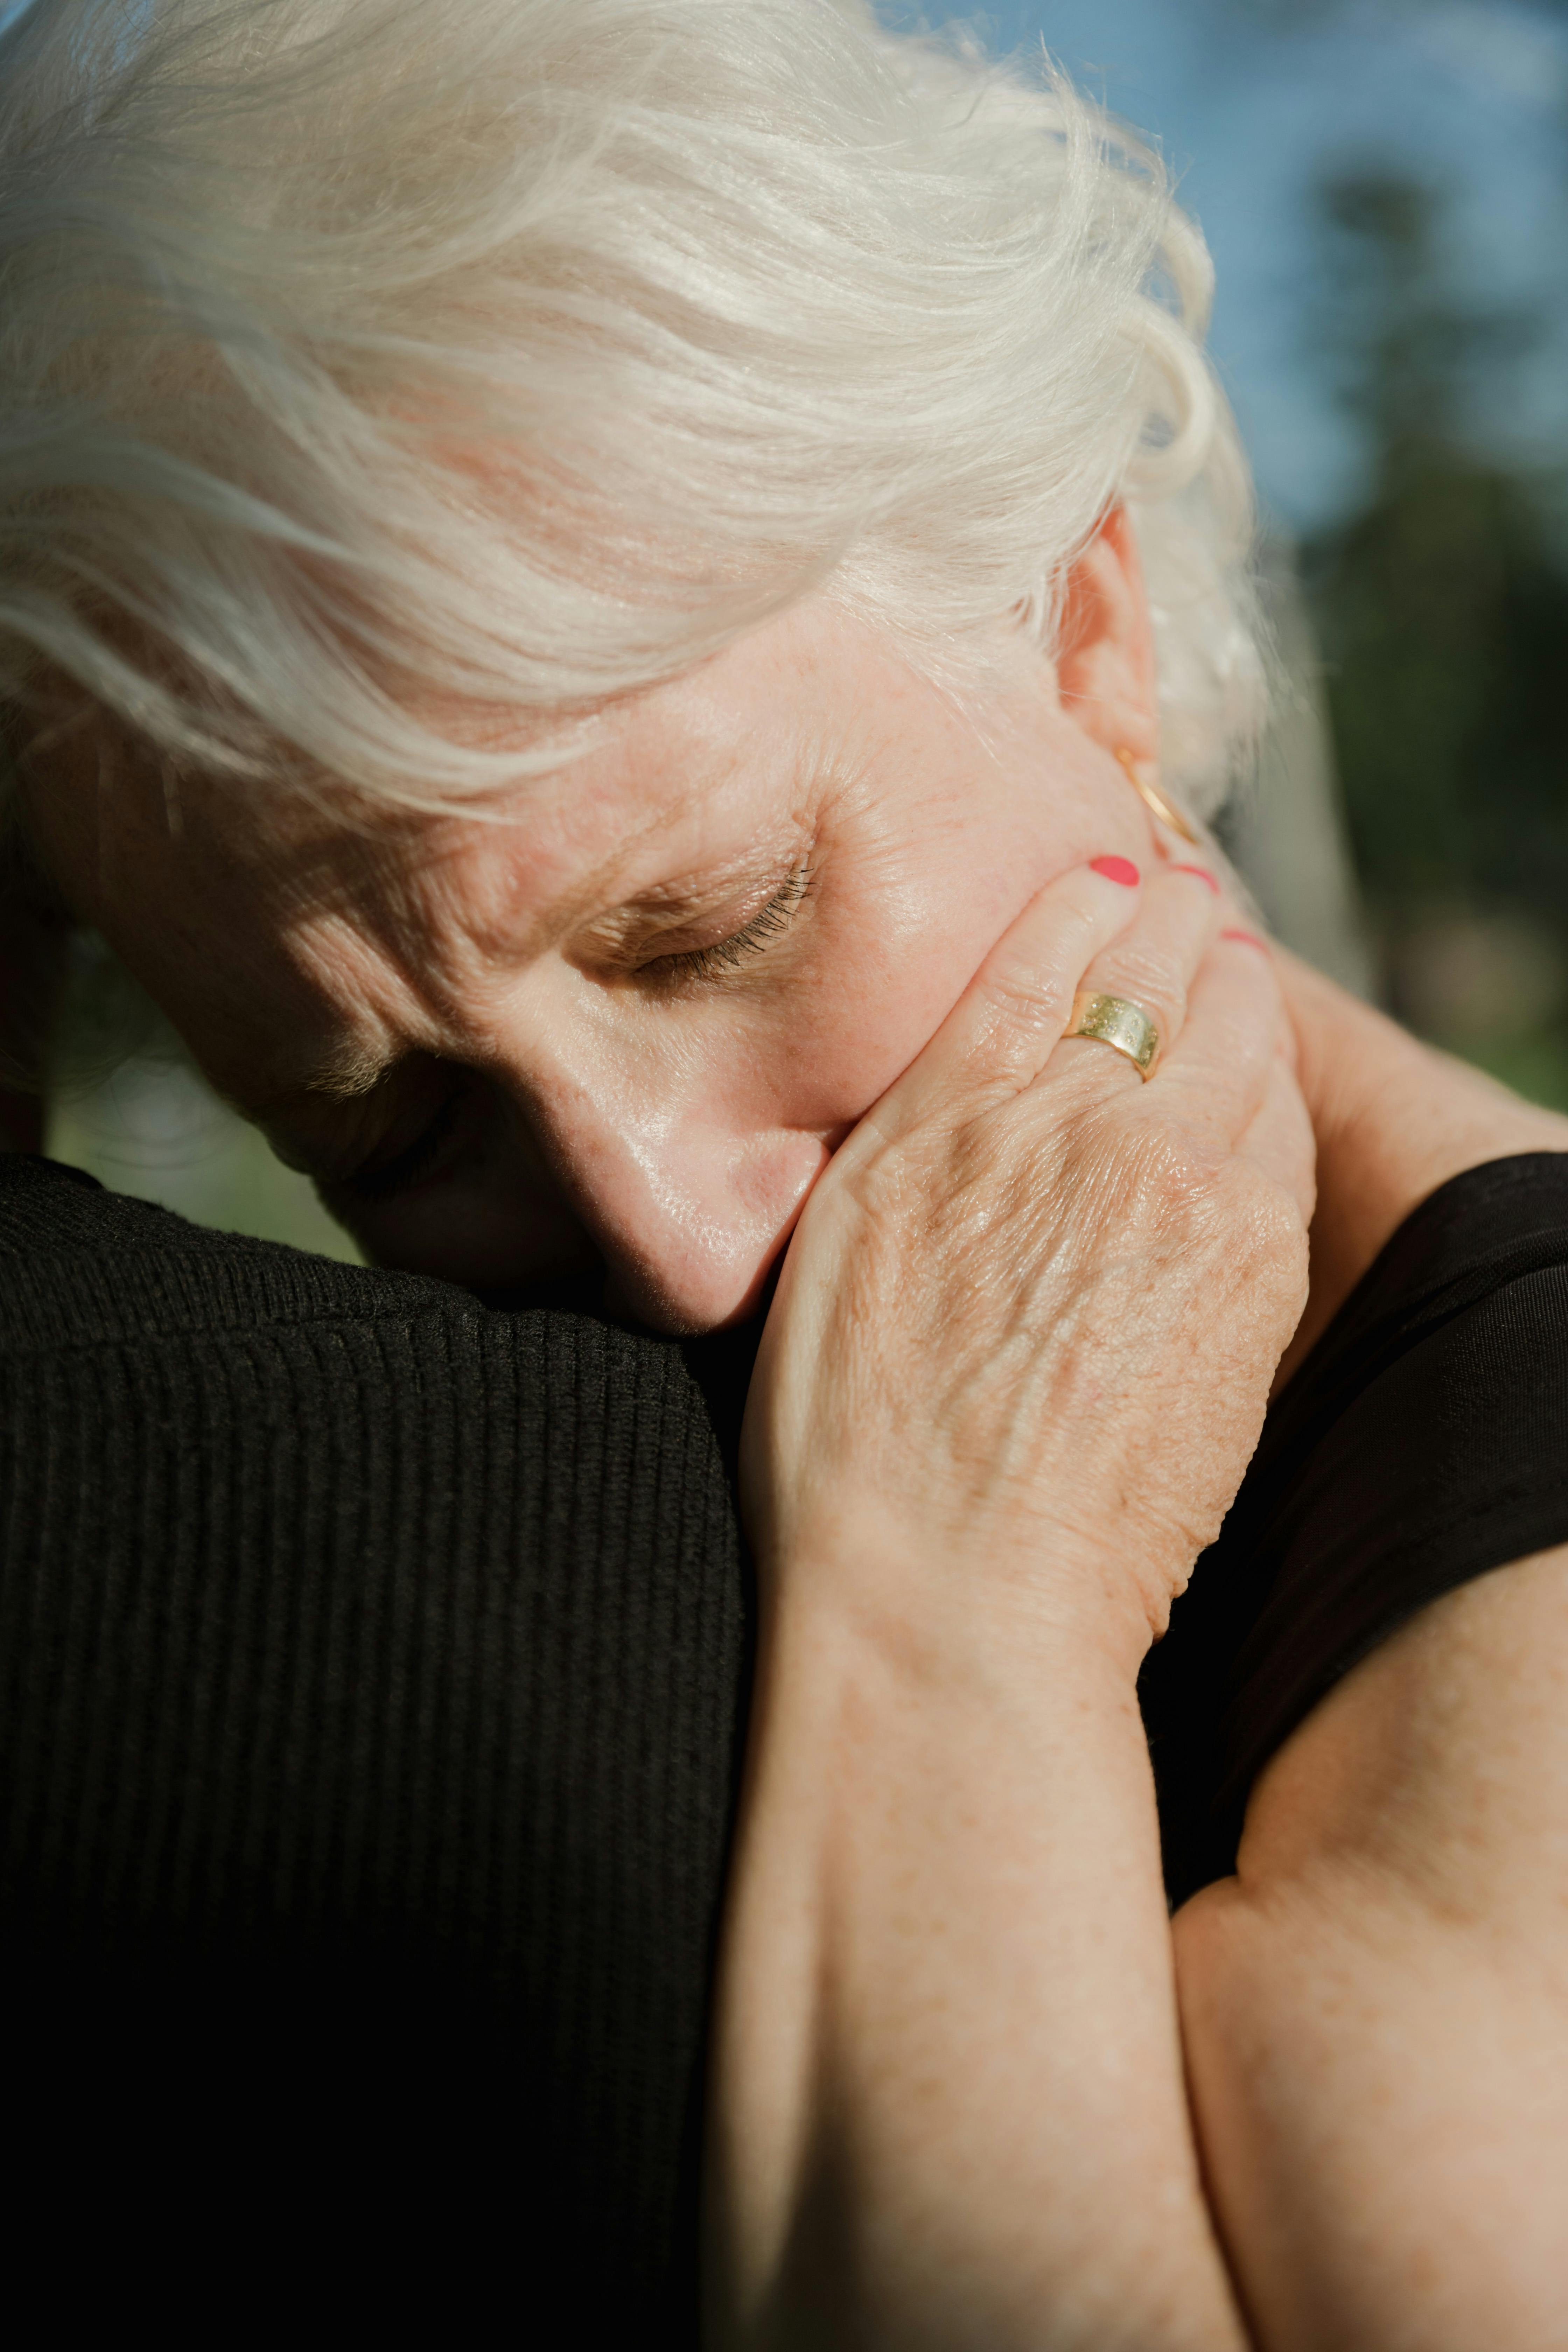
688 1209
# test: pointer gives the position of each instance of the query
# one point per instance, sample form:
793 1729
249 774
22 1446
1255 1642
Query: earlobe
1105 662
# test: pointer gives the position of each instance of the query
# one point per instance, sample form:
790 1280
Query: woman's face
629 1017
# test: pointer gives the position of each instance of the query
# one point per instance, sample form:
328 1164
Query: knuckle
1137 966
1175 1173
1021 997
1214 1202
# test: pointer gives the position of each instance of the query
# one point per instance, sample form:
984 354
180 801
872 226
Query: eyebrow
342 1072
350 1072
348 1069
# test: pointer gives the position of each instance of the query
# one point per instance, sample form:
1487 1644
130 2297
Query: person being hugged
632 612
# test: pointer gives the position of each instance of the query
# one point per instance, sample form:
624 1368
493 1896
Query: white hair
361 359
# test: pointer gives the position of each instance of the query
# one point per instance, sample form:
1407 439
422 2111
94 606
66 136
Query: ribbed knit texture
370 1664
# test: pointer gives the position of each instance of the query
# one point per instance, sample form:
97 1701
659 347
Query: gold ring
1115 1021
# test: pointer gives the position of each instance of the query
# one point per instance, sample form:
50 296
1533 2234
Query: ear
1105 665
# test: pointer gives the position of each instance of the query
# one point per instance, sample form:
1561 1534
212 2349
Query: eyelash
770 923
413 1164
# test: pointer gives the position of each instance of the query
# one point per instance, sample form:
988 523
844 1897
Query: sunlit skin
626 1018
629 1013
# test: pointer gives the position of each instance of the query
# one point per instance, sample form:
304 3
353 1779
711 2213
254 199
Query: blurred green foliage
126 1105
1441 605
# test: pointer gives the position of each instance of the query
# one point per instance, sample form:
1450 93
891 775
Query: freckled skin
1372 2014
669 1128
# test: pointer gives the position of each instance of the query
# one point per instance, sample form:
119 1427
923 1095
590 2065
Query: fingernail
1247 938
1116 869
1203 873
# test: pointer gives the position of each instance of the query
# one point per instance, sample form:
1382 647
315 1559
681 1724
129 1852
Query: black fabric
371 1665
1423 1442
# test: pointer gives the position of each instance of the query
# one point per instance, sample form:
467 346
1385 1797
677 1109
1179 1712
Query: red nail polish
1247 938
1116 869
1203 873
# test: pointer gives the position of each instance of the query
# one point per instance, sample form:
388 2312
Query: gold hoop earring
1158 806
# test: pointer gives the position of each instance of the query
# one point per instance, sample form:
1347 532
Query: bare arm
949 2104
1375 2007
1393 1120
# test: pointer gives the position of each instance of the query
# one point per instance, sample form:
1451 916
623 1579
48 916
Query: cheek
887 973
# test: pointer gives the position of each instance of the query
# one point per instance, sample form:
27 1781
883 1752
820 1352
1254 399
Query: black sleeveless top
373 1671
1423 1440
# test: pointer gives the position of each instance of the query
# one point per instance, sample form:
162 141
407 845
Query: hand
1033 1308
1016 1363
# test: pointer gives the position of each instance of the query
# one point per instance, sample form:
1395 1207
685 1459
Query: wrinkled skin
1019 1355
1109 1271
959 1574
542 981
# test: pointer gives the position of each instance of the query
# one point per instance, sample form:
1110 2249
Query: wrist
951 1600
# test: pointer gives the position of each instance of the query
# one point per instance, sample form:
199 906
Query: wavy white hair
366 358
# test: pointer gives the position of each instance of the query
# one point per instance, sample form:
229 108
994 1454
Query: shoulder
1395 1120
80 1266
88 1275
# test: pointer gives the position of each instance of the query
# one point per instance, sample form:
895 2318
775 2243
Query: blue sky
1472 94
1252 103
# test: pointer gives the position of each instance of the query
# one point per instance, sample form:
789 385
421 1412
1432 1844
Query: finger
1279 1138
1152 966
1215 1077
1002 1029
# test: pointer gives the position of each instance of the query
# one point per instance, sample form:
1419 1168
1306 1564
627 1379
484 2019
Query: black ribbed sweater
371 1669
370 1666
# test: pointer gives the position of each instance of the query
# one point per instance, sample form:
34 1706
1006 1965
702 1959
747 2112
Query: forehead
660 792
269 926
409 915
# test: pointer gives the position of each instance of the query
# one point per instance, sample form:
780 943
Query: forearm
1384 2117
1376 2009
949 2104
1034 1303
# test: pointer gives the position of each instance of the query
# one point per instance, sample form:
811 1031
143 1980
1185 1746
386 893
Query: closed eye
384 1180
727 955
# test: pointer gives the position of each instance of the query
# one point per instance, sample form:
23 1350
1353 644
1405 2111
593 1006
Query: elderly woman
628 611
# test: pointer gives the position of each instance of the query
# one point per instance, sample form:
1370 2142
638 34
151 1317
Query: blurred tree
1442 607
1294 15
